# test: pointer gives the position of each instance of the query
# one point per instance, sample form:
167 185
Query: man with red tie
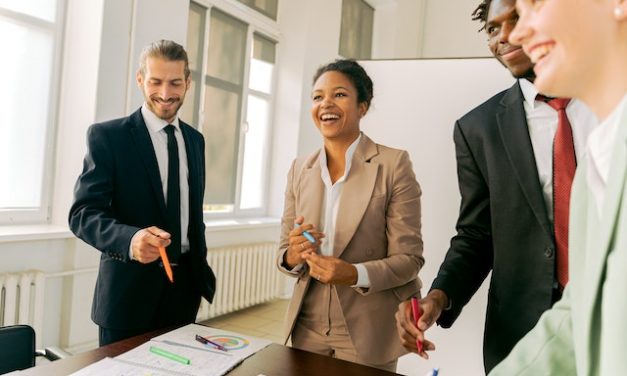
516 157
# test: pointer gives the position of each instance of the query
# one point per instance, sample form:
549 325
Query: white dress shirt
159 139
542 124
600 147
330 205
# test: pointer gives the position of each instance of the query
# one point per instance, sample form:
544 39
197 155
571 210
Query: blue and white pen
433 372
307 235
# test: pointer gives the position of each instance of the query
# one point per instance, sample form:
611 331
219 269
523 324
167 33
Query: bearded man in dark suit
142 188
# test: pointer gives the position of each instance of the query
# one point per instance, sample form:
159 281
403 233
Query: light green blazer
585 333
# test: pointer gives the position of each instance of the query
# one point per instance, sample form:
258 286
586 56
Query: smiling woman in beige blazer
361 204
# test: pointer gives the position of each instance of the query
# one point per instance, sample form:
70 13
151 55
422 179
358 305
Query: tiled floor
264 320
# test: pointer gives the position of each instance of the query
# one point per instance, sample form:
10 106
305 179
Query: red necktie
564 165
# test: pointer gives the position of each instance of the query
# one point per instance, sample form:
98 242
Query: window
31 33
232 65
267 7
356 29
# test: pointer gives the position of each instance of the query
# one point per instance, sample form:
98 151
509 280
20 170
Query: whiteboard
415 105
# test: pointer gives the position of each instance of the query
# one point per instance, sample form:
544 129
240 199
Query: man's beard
166 115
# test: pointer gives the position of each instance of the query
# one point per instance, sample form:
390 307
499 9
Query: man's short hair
481 13
164 49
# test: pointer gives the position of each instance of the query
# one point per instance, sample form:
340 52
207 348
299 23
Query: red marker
416 312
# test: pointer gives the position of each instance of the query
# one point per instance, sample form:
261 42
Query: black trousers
178 305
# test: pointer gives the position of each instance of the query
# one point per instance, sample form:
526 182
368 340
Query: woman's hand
329 269
299 246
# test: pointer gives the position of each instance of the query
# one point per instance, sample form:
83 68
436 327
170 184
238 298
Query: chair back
17 348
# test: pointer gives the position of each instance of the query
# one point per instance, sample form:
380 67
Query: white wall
415 106
450 30
322 41
409 29
290 70
398 29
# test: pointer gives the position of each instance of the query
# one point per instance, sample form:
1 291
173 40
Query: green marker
169 355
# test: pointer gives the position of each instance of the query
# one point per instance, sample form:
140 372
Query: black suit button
548 252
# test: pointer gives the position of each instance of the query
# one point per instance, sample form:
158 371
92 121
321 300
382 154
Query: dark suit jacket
502 227
118 193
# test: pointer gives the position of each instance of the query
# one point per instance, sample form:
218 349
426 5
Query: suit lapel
599 247
311 191
512 123
193 172
356 194
145 149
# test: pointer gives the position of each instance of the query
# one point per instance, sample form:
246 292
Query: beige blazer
378 225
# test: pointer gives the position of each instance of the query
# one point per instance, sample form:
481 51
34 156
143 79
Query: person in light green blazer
580 50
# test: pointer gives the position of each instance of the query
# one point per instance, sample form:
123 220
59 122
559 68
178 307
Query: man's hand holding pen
410 332
146 242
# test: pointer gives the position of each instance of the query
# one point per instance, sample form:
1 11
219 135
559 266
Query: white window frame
261 24
42 213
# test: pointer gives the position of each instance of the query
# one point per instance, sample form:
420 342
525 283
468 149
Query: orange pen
166 264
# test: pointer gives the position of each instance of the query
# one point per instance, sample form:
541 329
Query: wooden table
274 360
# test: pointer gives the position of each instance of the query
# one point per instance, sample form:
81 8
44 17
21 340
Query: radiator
22 300
245 275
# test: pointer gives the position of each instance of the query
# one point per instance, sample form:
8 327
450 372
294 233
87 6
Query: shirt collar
529 91
153 122
614 117
348 157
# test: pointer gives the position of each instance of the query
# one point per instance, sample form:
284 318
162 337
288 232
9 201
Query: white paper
238 345
205 360
202 362
115 367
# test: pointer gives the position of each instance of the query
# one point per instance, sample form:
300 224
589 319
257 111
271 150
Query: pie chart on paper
230 342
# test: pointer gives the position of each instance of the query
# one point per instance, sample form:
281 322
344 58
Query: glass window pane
262 64
263 49
195 41
195 35
365 34
227 47
356 29
26 85
267 7
261 76
255 153
44 9
221 131
189 110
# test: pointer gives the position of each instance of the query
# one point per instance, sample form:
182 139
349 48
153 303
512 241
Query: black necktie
173 202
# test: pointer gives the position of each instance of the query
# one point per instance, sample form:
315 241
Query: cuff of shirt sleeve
295 269
363 280
130 246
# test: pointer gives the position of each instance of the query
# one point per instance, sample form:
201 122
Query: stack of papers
179 353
